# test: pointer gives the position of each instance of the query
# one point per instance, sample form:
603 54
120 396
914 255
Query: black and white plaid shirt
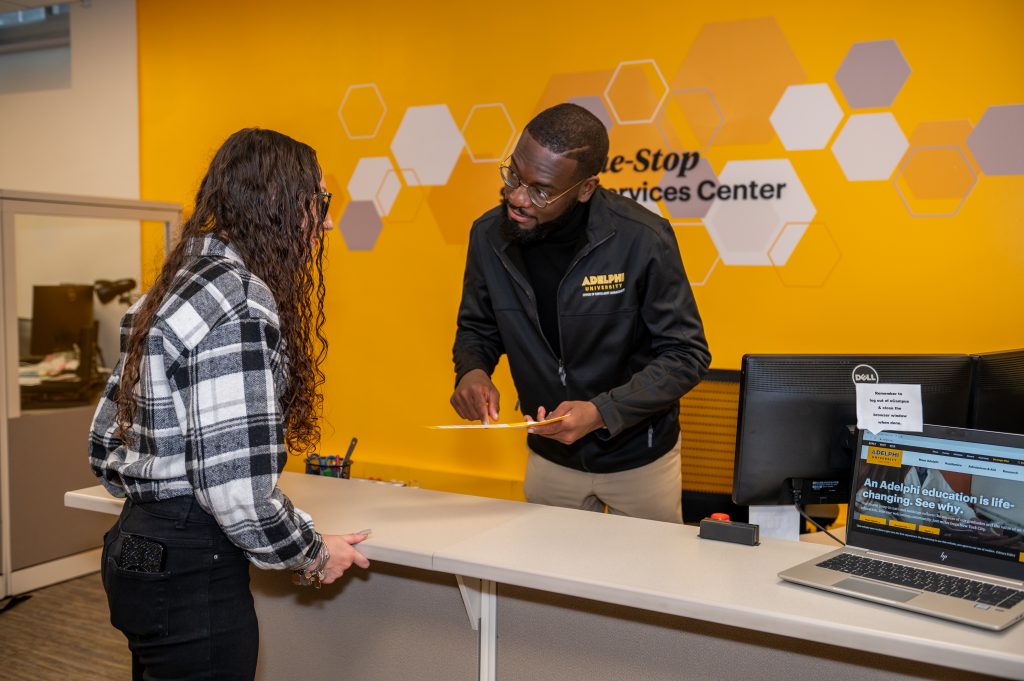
208 420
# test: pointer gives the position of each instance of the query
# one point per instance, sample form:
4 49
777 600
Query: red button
720 516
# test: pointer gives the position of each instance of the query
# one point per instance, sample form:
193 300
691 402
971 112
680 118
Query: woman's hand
343 555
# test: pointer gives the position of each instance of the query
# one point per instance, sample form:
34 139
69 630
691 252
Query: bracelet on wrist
315 574
312 560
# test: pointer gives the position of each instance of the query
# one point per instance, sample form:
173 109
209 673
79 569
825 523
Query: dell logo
943 556
864 373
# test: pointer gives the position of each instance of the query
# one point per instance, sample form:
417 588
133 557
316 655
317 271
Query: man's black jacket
632 338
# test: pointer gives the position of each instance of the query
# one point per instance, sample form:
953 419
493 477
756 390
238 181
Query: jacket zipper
558 316
558 320
529 294
562 375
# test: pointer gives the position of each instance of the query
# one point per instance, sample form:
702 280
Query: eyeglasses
538 197
323 203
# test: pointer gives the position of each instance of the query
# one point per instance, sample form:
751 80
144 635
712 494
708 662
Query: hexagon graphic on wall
566 87
935 181
474 188
689 196
872 74
373 180
429 142
746 65
636 91
596 106
624 169
387 192
997 142
806 117
940 133
944 134
697 250
754 200
786 243
360 225
811 255
869 147
362 111
690 119
407 201
488 133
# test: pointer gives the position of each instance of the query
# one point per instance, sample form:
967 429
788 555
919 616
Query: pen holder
328 466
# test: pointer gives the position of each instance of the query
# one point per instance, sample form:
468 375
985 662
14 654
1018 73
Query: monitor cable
798 503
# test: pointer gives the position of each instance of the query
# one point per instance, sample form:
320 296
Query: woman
218 377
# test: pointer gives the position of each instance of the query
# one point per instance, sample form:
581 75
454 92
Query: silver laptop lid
949 496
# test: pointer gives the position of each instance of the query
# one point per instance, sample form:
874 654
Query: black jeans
194 618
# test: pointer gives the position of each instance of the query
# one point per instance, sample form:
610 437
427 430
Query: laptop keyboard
925 580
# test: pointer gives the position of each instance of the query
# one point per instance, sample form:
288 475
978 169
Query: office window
35 48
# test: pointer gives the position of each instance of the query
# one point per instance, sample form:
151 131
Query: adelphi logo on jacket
603 284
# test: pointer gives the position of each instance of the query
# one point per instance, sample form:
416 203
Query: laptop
935 525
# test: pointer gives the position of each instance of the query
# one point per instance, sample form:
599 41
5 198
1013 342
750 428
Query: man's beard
513 233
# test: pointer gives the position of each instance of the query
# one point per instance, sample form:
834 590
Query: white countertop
627 561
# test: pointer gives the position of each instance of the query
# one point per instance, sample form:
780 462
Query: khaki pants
652 491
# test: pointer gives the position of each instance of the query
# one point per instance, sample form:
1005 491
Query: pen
348 454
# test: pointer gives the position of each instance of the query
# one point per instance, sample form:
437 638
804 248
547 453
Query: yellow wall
882 280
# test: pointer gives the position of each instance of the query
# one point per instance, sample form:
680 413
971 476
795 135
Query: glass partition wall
71 266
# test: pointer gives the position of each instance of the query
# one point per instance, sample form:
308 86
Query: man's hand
475 397
583 418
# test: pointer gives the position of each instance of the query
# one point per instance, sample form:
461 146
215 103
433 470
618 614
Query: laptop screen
950 496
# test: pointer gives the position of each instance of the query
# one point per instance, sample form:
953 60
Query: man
585 292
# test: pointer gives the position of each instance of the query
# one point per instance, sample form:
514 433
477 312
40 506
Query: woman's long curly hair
260 194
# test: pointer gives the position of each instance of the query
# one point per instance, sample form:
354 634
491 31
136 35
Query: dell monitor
997 393
797 417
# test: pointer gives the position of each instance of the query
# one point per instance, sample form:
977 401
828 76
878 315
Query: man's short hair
570 130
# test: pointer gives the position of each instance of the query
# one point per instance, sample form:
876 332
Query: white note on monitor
889 406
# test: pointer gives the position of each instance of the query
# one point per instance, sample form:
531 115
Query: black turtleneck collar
545 262
567 227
